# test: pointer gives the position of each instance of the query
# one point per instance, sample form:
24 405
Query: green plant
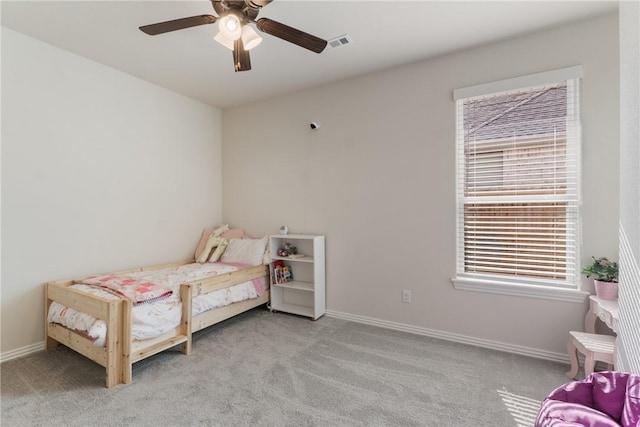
602 269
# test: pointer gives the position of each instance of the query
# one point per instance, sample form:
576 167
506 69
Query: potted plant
605 277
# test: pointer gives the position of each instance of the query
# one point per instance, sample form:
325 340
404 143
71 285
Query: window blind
518 184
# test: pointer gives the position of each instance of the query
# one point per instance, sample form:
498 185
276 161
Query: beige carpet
276 369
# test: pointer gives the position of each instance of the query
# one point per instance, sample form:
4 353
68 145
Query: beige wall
101 171
378 179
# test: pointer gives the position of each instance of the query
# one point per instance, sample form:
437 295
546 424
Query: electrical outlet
406 296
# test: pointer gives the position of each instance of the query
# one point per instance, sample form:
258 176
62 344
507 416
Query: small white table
595 347
605 310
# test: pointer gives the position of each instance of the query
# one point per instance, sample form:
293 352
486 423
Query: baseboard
448 336
22 351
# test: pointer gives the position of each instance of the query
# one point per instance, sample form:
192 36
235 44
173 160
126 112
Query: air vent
340 41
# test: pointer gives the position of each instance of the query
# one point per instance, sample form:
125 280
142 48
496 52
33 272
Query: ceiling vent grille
339 41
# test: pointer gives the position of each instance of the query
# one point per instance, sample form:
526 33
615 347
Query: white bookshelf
304 294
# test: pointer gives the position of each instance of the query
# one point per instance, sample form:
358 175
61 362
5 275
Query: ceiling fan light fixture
250 37
224 41
230 27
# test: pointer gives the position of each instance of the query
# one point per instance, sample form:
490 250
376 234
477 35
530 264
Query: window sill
519 289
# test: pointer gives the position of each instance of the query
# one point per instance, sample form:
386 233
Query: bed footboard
111 311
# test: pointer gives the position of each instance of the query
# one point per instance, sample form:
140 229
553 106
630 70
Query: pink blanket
136 290
259 283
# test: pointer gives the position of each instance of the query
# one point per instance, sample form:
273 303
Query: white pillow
245 251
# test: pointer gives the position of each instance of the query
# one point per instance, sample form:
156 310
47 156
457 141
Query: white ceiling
385 34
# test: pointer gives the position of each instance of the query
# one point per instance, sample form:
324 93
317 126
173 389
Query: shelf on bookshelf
284 258
302 310
296 284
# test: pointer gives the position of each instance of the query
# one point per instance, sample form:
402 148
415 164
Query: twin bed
121 318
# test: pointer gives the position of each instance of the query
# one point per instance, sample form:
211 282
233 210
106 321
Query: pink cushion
203 242
234 233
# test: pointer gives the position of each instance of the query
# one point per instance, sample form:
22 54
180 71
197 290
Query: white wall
378 179
100 171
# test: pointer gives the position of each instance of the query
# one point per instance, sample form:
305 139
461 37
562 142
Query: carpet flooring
274 369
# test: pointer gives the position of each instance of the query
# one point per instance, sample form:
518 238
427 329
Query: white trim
568 289
521 82
519 289
433 333
22 351
448 336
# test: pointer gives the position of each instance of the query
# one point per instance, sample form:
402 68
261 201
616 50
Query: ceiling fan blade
177 24
241 59
292 35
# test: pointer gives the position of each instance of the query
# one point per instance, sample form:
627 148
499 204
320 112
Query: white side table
605 310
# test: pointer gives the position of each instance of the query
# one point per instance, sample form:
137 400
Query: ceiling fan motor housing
248 8
257 4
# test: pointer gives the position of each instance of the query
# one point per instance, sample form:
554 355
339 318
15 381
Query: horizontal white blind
518 184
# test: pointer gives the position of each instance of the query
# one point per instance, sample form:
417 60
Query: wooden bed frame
120 351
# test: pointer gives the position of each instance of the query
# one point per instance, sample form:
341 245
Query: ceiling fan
234 17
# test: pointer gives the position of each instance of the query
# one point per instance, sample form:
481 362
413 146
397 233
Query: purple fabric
555 413
603 399
631 411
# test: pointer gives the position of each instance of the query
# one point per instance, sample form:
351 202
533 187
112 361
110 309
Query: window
518 192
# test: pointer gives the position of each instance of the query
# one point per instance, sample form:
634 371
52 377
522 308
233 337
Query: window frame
513 285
